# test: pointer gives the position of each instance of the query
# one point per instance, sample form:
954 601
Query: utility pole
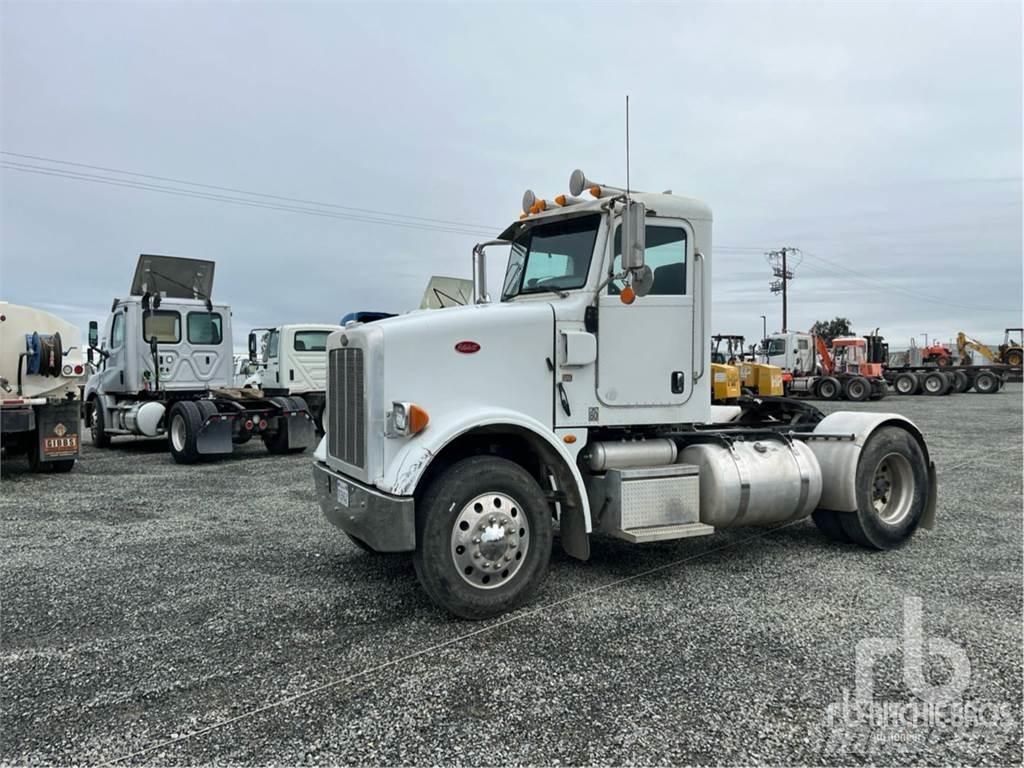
783 262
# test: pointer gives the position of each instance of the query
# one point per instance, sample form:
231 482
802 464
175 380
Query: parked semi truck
581 399
40 363
294 362
812 370
166 368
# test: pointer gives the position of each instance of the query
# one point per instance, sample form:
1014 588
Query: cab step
664 532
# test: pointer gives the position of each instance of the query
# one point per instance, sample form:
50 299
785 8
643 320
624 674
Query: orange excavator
847 372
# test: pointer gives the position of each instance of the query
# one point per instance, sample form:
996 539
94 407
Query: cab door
645 349
114 372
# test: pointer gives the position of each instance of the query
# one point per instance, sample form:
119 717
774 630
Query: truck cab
294 362
580 398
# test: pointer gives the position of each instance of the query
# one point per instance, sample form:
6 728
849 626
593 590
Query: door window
117 331
665 254
272 344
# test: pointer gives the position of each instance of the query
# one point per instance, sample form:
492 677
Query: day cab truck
40 364
166 369
581 400
294 362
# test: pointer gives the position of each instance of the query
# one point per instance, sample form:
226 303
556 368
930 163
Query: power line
236 190
99 179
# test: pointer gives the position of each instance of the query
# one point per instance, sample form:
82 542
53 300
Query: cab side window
665 254
117 331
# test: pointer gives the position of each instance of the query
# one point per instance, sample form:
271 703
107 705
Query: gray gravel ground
173 615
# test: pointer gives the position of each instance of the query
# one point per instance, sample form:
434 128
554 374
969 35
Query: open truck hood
173 277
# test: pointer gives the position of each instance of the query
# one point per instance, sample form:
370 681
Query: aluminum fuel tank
757 482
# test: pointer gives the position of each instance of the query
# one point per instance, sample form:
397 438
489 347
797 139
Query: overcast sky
882 139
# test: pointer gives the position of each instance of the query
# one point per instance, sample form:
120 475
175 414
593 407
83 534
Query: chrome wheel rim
489 541
892 488
178 433
904 385
933 384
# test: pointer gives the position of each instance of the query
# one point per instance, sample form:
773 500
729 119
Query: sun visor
173 277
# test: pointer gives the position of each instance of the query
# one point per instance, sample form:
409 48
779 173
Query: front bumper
383 522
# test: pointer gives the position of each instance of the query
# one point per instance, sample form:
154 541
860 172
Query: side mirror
252 346
634 230
94 333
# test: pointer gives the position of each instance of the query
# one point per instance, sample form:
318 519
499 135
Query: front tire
828 388
98 425
891 488
483 538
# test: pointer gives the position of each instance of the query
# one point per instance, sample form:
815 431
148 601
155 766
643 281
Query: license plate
60 446
342 493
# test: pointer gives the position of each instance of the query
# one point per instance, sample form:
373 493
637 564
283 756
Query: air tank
757 482
624 454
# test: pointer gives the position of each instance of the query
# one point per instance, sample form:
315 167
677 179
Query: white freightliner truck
582 399
165 368
40 409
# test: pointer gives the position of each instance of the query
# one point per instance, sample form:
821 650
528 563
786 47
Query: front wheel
98 425
829 388
483 538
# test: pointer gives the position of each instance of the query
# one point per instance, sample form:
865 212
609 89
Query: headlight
407 419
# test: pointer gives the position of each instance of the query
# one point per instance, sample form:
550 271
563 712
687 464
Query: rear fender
839 458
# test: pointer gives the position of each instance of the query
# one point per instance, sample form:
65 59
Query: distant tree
830 329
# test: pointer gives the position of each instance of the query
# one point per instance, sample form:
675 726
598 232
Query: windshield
553 256
776 347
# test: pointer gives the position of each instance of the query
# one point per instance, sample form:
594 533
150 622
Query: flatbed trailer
936 380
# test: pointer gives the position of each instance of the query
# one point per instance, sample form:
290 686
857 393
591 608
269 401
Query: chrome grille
346 389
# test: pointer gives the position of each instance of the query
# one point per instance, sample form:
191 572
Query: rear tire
961 382
906 384
36 463
828 388
829 523
857 389
1014 357
277 442
183 425
986 383
891 489
473 569
934 384
98 425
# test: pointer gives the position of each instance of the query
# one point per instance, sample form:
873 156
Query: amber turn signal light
628 295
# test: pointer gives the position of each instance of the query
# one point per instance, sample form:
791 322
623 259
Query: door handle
678 382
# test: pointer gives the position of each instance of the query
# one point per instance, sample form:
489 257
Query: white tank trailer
40 409
581 399
165 368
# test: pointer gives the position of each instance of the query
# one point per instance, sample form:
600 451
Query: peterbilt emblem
344 340
60 430
467 347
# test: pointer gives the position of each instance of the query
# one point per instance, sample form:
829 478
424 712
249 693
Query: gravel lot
171 615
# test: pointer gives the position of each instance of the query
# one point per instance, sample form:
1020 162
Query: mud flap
214 438
928 518
57 431
299 430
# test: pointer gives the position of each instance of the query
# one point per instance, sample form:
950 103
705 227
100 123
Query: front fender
403 473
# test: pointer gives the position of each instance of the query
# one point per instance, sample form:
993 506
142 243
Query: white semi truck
294 362
582 400
165 368
40 409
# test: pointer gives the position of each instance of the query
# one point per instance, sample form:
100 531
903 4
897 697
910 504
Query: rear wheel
961 381
98 425
935 384
277 441
1014 357
483 538
906 384
986 383
35 459
831 525
828 388
891 490
857 389
182 430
